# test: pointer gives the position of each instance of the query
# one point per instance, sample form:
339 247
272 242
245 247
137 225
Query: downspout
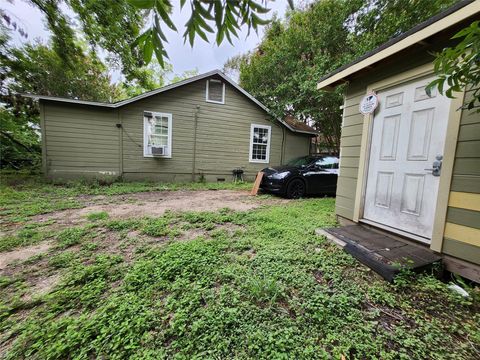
195 125
44 139
282 153
120 145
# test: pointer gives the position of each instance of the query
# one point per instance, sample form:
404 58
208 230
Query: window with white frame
215 91
260 143
157 134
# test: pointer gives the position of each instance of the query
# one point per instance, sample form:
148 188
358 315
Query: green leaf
259 8
148 50
165 15
191 35
160 53
201 11
229 38
259 20
218 13
158 29
201 33
220 36
142 4
141 39
203 24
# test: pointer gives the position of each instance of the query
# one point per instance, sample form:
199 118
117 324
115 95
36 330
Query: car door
329 165
322 176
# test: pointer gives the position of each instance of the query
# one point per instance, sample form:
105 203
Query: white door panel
408 133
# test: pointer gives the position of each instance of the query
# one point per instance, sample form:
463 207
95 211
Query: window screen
157 132
215 91
260 143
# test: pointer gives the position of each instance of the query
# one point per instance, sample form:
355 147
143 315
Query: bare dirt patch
152 204
41 286
22 254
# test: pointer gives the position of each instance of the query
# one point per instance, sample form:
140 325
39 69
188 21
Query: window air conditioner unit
159 150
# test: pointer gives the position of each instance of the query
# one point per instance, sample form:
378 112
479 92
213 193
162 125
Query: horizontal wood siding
462 230
223 133
463 219
295 145
352 124
461 250
350 141
80 140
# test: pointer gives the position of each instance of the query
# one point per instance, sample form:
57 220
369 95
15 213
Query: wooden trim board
256 185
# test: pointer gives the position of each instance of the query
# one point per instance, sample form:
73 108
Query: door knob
436 166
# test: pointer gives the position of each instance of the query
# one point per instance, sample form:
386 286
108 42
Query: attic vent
215 91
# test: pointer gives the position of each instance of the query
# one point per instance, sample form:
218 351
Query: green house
412 166
202 127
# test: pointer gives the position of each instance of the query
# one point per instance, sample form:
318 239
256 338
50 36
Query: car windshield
301 161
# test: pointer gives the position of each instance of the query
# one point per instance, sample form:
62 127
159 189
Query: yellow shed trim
464 200
463 234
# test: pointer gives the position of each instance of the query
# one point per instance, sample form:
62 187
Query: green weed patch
272 289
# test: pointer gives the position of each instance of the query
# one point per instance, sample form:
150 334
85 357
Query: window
260 143
328 162
157 134
215 91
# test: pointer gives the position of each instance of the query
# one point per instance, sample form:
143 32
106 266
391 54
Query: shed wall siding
349 154
352 124
83 141
462 230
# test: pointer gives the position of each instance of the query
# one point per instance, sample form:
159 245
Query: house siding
79 140
295 146
222 137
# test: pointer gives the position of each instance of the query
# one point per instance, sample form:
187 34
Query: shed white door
408 133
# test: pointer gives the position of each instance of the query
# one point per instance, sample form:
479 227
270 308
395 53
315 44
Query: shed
386 180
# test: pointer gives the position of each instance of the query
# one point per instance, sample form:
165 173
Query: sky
203 56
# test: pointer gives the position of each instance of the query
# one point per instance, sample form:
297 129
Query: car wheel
296 189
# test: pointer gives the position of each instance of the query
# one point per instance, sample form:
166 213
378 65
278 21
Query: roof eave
312 133
153 92
67 100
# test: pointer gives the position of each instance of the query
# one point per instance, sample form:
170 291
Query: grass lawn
213 284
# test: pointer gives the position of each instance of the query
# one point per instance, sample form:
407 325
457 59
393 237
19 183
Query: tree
380 20
19 139
114 27
458 67
38 69
315 40
227 16
294 53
